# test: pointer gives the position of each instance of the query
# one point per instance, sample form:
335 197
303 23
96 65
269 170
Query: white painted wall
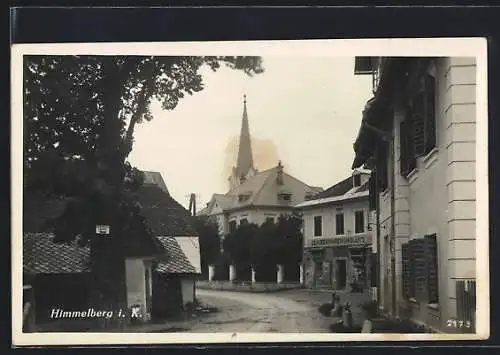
135 270
328 213
187 289
440 196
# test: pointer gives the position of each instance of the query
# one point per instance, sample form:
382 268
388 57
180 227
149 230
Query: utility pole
192 204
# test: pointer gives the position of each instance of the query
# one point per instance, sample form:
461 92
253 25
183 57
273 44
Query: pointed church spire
245 158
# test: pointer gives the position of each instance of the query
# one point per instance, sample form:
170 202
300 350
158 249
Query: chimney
279 175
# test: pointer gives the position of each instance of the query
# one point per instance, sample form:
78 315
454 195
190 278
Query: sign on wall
340 241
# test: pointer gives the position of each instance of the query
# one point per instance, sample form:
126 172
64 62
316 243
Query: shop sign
340 241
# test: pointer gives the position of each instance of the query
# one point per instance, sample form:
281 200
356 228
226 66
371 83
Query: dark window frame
337 224
318 226
232 226
357 223
356 180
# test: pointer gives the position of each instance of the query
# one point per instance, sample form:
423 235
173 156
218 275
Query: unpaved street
256 312
291 311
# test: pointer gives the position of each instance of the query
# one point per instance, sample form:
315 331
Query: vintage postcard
268 191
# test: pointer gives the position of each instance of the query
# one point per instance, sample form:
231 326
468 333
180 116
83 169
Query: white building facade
418 135
338 237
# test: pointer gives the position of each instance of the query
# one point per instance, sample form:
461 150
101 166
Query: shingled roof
164 215
176 262
336 190
42 256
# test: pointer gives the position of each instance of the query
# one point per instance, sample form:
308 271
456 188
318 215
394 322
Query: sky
304 111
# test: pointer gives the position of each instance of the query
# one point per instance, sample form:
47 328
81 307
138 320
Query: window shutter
372 194
403 149
382 166
407 157
430 114
407 274
432 268
420 268
417 123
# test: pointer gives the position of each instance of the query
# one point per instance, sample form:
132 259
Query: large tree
80 113
210 244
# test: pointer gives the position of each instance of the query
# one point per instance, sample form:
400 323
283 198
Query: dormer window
309 196
243 197
285 196
356 180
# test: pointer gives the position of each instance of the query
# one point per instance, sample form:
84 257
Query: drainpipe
393 228
388 137
379 248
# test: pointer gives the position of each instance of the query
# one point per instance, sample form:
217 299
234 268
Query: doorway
341 273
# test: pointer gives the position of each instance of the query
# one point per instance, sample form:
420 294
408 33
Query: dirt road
255 312
291 311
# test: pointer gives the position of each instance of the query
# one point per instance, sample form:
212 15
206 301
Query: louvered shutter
372 194
407 274
403 149
432 268
418 124
420 268
382 167
430 114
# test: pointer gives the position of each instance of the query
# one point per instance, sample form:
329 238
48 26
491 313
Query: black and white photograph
254 191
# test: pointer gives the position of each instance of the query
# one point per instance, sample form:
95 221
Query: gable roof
176 262
164 215
155 178
263 190
338 189
341 191
41 255
191 248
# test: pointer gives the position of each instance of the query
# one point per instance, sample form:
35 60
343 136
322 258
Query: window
339 224
420 265
372 194
382 166
407 161
243 221
243 197
232 226
269 219
418 130
318 226
359 222
357 180
285 197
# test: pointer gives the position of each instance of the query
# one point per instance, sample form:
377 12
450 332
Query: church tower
244 168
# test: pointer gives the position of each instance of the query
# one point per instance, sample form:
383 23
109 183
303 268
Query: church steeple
244 166
245 158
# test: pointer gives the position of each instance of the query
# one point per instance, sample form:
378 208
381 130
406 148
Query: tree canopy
276 243
208 234
80 113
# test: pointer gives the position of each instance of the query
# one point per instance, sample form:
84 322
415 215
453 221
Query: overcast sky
305 111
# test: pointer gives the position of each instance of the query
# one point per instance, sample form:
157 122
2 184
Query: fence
466 305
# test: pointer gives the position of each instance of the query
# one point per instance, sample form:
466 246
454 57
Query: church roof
262 189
